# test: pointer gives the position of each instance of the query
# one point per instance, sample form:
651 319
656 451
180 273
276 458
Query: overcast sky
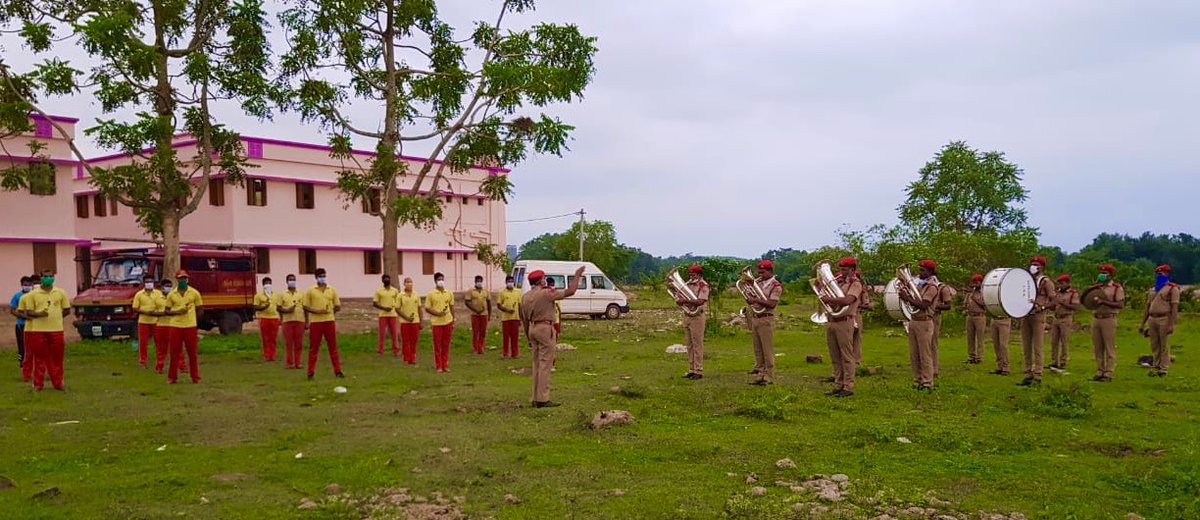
732 128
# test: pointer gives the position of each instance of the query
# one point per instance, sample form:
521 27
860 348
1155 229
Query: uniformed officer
839 331
1104 322
976 319
1158 323
762 326
945 298
695 317
920 329
537 317
1066 302
1033 325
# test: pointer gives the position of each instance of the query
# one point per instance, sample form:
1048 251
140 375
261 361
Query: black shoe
689 375
1097 378
843 393
1105 379
924 388
310 377
1162 373
1026 382
696 376
339 374
761 382
545 404
833 392
753 371
1000 372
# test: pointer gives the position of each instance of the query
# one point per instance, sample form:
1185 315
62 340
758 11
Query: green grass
1071 449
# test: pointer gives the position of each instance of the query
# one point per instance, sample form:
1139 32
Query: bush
768 407
1071 402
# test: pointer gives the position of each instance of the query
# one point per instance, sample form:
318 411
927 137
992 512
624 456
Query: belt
1160 315
547 322
1104 316
922 318
841 319
975 314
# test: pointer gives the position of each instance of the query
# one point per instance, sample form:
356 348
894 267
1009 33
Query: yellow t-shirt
410 305
478 298
442 301
144 301
272 303
187 301
387 297
294 300
315 298
510 298
160 304
557 312
52 302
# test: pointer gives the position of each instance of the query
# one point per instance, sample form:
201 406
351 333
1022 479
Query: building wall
16 260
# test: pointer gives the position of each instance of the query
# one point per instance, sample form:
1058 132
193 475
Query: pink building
289 211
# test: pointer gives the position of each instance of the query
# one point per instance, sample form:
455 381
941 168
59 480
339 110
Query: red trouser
47 349
268 329
162 345
27 361
389 325
184 338
441 345
409 333
510 331
293 342
145 332
317 331
557 330
479 323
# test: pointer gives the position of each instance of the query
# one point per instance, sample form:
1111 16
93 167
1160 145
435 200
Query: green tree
462 96
540 248
167 62
965 190
600 247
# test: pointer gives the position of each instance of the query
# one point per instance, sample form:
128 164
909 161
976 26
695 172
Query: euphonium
679 290
907 284
749 288
825 285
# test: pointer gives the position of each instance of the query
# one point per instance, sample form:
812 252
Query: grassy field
228 448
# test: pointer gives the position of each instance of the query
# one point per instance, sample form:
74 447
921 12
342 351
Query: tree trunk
391 256
170 237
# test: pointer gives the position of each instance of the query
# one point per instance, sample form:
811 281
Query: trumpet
679 290
906 285
825 285
749 288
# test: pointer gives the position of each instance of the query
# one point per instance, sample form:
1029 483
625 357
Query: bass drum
891 301
1009 292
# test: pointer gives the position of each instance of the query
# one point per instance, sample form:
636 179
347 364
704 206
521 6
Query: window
81 206
216 192
559 280
449 199
372 262
600 282
308 261
44 257
112 206
262 260
479 201
370 203
100 206
304 196
582 281
42 181
427 263
466 256
464 201
256 192
449 256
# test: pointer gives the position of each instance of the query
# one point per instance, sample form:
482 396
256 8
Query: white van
597 295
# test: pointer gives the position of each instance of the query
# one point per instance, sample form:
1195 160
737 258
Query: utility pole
582 222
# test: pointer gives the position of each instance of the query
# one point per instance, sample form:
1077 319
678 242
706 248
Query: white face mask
509 285
267 288
149 286
1034 269
921 282
291 284
440 283
321 280
26 288
479 285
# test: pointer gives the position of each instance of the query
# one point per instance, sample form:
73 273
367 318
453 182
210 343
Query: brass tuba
679 290
749 287
906 284
825 285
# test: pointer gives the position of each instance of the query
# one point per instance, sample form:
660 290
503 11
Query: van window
600 282
558 279
518 275
582 281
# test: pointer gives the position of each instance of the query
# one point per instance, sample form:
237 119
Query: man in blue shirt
26 286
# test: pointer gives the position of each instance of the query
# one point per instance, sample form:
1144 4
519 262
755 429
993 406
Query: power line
571 214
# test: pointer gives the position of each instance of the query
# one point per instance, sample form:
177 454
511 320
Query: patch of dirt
1119 450
229 477
397 504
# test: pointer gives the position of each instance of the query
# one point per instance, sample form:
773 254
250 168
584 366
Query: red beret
1039 260
1064 277
1163 269
766 264
695 268
976 277
928 264
537 275
849 261
1108 268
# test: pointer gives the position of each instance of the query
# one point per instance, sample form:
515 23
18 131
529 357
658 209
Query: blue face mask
1160 281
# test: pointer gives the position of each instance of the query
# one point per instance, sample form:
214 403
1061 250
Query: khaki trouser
1104 345
1033 327
976 332
920 351
933 344
839 337
541 339
1060 340
1160 341
693 337
858 322
762 329
1001 328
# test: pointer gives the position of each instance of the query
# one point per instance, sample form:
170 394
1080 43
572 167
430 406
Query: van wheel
612 312
230 323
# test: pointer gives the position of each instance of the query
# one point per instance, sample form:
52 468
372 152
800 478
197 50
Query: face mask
440 283
1160 281
291 284
26 288
1034 269
509 285
321 280
479 285
921 282
149 286
183 285
47 280
1102 277
166 289
267 288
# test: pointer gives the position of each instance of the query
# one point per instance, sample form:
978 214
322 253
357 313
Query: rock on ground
758 491
564 346
610 418
814 359
511 499
333 489
677 349
785 464
307 504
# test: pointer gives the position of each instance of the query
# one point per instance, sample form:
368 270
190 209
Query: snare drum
1009 292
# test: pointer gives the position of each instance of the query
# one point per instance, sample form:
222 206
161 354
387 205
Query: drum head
891 300
1009 292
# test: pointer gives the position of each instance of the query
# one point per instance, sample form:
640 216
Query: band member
839 331
1158 322
183 305
1033 325
439 304
13 304
537 318
411 318
1066 302
44 308
1104 322
864 305
694 318
508 302
321 305
386 301
920 329
1000 329
291 309
147 313
479 302
976 319
762 326
162 328
266 309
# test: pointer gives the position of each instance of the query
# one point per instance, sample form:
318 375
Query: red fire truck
224 277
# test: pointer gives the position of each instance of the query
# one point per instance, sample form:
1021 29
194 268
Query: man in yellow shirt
291 308
479 301
44 309
162 327
183 305
147 312
321 305
439 303
266 309
508 302
411 317
386 300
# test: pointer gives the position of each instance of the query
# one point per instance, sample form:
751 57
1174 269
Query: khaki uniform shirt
774 290
1165 300
1067 301
929 293
700 289
1045 293
1112 291
945 296
852 287
973 301
538 305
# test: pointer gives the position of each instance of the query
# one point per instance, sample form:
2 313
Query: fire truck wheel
230 323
